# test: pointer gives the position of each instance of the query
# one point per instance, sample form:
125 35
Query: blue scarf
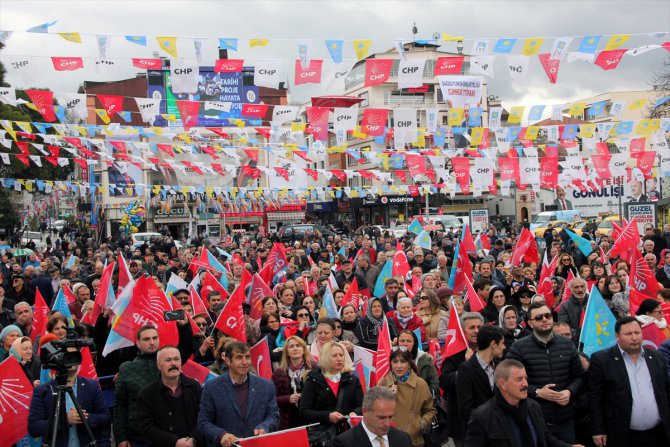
404 377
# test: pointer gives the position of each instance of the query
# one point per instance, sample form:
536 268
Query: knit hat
444 292
8 330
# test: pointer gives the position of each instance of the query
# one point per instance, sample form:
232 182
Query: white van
447 221
547 217
140 238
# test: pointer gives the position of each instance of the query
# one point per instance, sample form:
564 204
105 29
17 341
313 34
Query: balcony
409 101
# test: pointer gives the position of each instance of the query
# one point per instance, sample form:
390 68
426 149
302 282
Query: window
364 96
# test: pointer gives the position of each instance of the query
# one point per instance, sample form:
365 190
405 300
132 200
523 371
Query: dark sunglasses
423 297
201 324
547 316
303 315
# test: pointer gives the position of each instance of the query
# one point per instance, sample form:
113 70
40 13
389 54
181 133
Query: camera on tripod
55 355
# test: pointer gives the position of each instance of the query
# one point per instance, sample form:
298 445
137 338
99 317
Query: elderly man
571 310
24 317
82 294
368 270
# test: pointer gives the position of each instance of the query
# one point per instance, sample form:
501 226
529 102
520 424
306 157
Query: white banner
410 73
8 96
345 118
404 127
75 103
149 108
461 90
333 82
184 76
269 73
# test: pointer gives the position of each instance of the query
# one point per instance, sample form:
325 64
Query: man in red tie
561 203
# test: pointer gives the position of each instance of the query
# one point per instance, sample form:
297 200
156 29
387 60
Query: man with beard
510 417
554 370
571 310
167 409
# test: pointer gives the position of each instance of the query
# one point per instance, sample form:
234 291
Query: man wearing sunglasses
554 371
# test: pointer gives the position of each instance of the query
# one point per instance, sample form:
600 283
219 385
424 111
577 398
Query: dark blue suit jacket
90 398
220 413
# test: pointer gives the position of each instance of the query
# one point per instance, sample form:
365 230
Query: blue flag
452 275
423 240
596 109
417 332
570 132
228 44
60 304
584 245
43 28
589 44
138 40
335 49
475 119
535 113
504 46
329 308
415 227
385 273
598 328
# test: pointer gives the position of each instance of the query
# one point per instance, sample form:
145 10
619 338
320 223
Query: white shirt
644 414
373 437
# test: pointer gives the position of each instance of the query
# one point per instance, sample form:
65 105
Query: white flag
578 56
149 108
103 45
404 127
617 108
410 73
269 73
641 50
518 67
284 114
431 120
494 116
8 96
107 69
557 112
22 68
218 106
482 65
618 164
74 102
480 47
345 118
529 170
335 77
184 76
560 48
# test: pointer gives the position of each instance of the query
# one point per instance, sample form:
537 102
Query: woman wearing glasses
494 303
651 312
565 264
368 327
330 394
271 327
434 318
304 322
415 409
289 378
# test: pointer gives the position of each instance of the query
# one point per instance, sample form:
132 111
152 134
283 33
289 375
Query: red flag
641 277
318 121
461 167
105 296
627 240
310 74
416 164
40 316
111 103
260 358
652 336
467 241
188 112
566 289
463 270
435 351
635 298
231 319
486 241
254 110
69 295
549 172
16 391
455 341
259 290
609 59
147 64
383 354
476 302
351 296
67 63
210 283
525 249
450 65
550 66
377 71
87 368
601 163
228 65
374 122
275 263
43 100
645 162
544 287
295 437
509 169
198 305
400 264
196 371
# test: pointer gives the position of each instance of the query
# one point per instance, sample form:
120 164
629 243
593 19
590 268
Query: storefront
174 221
288 214
385 210
325 212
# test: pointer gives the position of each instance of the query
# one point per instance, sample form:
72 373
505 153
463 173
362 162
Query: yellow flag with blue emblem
515 114
168 44
361 48
577 109
531 46
598 328
102 113
637 104
455 117
616 41
71 37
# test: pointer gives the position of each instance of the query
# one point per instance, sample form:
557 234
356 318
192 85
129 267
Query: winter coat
318 400
571 312
367 332
427 371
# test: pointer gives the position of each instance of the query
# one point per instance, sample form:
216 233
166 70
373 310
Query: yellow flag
8 127
72 37
645 127
616 41
531 132
185 137
168 44
637 104
361 47
25 126
384 158
587 130
455 117
420 138
577 109
298 127
449 38
531 46
358 133
476 137
102 113
258 42
515 114
170 117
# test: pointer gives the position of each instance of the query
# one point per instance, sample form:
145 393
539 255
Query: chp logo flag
67 63
197 372
352 295
544 284
43 100
105 296
231 319
275 264
550 66
209 283
310 74
229 65
40 316
525 249
641 278
16 392
377 71
260 358
188 112
147 64
373 123
294 437
383 354
448 65
258 290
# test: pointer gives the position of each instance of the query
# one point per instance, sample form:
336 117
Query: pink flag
550 66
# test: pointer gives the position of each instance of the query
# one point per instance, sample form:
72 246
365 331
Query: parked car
58 225
140 238
399 231
292 233
34 236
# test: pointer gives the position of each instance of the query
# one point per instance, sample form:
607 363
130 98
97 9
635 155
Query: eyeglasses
201 324
399 348
423 297
303 315
547 316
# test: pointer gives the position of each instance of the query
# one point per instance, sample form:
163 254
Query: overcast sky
381 21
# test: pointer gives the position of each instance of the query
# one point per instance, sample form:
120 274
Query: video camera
55 354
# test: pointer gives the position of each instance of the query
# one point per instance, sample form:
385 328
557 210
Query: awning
286 215
335 101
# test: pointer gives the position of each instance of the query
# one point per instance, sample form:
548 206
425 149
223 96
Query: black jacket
367 332
318 400
555 362
571 312
491 427
472 388
448 384
610 398
155 412
357 437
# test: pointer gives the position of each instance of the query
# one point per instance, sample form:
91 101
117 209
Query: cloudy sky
382 21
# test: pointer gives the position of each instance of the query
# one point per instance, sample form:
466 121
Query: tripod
58 417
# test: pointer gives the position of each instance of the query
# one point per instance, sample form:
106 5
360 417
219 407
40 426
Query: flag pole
277 432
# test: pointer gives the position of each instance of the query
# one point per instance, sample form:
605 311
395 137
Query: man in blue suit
237 404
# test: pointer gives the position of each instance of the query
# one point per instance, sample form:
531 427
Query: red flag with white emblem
260 357
641 277
16 391
231 319
383 354
455 341
400 263
525 249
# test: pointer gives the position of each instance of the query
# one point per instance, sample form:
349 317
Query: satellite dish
436 36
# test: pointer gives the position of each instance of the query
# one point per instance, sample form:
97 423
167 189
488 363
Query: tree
661 83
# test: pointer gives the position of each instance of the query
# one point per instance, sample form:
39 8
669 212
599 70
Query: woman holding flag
368 327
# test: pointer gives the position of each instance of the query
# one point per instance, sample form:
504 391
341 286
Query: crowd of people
522 380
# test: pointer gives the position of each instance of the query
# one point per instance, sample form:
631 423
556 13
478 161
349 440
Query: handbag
437 434
322 435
